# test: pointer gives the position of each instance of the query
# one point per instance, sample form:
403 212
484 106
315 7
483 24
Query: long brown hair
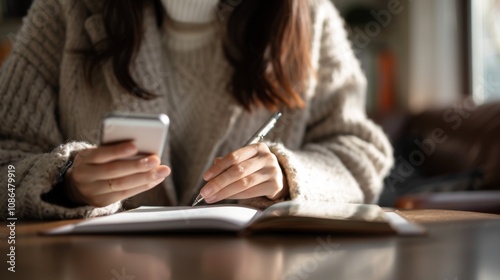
267 44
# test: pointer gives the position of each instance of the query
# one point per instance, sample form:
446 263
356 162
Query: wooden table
460 245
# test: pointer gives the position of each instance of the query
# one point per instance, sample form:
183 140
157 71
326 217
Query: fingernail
206 192
161 174
211 199
157 182
207 176
150 162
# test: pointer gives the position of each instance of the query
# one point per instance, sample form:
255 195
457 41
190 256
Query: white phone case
148 132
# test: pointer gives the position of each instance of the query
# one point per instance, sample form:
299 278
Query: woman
219 70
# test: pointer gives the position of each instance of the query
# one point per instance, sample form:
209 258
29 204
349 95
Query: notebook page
145 219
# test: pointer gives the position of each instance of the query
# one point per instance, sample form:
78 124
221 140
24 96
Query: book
289 216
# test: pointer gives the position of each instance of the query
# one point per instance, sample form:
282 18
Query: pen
258 136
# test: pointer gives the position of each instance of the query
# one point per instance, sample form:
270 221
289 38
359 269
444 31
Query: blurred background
416 54
427 53
433 68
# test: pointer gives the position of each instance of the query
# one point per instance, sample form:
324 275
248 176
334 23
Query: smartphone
148 132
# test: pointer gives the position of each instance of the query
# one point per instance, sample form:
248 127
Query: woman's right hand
103 175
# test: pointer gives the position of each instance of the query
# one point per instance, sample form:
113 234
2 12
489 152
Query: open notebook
285 216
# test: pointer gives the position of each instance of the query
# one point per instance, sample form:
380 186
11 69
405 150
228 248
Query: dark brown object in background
5 48
472 141
15 8
458 171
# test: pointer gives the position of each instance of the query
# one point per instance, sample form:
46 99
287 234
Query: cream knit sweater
329 151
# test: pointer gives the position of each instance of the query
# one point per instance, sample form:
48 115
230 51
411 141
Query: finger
136 180
233 174
107 153
110 198
117 169
264 189
237 187
131 181
233 158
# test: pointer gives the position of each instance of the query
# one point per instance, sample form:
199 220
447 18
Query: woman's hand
251 171
103 175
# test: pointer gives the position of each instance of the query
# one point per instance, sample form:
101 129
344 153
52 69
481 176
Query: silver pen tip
198 199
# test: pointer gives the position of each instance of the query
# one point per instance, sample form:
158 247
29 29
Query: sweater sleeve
31 142
344 156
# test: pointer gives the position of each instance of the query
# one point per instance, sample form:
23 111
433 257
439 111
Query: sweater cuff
287 167
43 177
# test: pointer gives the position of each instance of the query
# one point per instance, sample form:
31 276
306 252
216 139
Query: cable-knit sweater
329 150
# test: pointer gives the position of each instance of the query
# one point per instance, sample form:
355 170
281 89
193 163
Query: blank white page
144 219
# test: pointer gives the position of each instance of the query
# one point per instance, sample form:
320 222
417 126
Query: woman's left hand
251 171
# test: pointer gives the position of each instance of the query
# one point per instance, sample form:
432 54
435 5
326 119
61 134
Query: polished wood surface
459 245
